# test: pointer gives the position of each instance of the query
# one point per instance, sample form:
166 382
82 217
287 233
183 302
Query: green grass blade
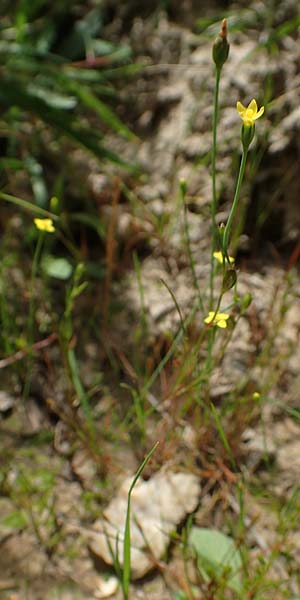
36 210
83 399
222 435
13 94
126 551
102 110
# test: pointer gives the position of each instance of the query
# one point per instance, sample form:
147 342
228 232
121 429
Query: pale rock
157 507
106 587
7 401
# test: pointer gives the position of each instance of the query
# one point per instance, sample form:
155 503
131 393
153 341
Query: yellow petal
240 108
44 225
260 112
253 106
222 316
218 256
209 318
222 324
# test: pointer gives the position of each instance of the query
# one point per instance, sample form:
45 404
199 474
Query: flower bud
220 49
54 204
229 280
79 271
247 135
183 186
246 301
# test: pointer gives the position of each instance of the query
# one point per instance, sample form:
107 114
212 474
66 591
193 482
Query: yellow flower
250 114
219 319
219 257
44 225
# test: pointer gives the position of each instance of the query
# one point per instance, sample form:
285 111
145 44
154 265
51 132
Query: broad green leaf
217 553
59 268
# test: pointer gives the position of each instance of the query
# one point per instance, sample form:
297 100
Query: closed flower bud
183 186
247 135
221 47
229 280
246 301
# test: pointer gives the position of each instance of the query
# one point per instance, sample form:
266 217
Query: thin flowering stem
214 185
235 201
220 53
220 356
249 115
214 147
208 366
221 294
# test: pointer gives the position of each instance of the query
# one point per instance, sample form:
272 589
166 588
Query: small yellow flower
44 225
219 257
250 114
219 319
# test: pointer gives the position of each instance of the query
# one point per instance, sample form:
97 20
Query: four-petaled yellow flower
219 257
219 319
250 114
44 225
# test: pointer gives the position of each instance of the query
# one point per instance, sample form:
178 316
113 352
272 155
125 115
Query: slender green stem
214 205
211 340
212 334
235 201
214 147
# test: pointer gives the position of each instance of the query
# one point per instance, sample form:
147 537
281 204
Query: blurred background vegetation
82 367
